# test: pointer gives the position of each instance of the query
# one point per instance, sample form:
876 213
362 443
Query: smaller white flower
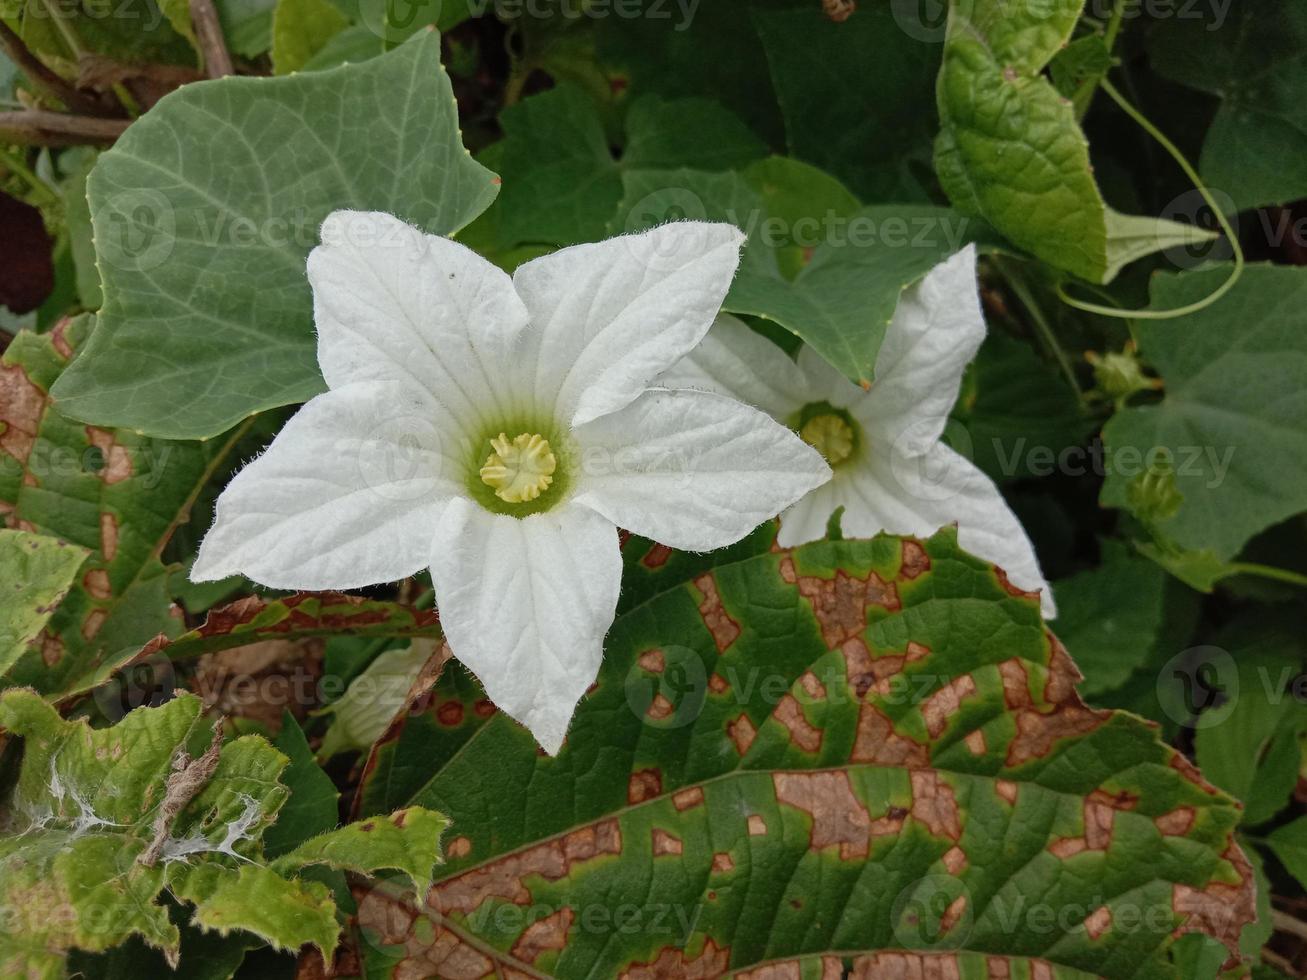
498 431
891 471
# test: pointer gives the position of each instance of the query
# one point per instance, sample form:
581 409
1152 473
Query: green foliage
1011 151
103 822
113 492
1255 152
859 757
218 193
37 572
1233 423
301 29
871 726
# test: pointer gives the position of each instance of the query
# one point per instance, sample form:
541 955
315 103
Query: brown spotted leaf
254 619
111 491
857 758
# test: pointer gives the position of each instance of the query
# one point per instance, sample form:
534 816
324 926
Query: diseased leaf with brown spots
854 758
296 617
116 493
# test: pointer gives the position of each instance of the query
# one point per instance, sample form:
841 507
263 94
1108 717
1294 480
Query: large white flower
891 471
498 431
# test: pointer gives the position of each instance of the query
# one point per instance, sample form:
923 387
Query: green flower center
829 430
520 470
521 466
830 435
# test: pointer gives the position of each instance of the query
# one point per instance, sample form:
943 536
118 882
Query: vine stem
1269 571
41 191
1114 24
1235 274
1045 329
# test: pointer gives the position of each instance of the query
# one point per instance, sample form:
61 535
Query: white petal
525 605
918 495
692 469
739 363
609 317
936 331
348 494
394 304
827 384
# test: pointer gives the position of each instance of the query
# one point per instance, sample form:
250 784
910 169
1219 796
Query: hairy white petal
692 469
347 495
609 317
936 331
525 605
902 494
734 360
394 304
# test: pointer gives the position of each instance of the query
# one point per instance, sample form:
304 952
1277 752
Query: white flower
891 471
498 431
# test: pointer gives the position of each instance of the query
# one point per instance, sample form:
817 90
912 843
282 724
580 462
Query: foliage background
1180 586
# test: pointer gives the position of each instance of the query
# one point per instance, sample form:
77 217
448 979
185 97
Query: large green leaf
1011 151
859 754
1115 617
1289 843
561 182
855 96
1250 748
1019 416
1255 152
114 492
692 48
843 296
1234 419
37 572
104 821
205 210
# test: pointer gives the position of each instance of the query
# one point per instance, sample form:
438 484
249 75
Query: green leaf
37 572
205 210
408 841
843 298
1251 749
683 49
855 96
806 758
1234 419
130 32
1010 149
1289 844
561 182
1255 152
1077 69
801 201
77 212
374 698
114 492
104 822
285 912
353 44
1020 417
300 29
312 807
246 25
1113 617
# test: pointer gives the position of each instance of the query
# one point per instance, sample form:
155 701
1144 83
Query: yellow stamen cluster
830 435
519 470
